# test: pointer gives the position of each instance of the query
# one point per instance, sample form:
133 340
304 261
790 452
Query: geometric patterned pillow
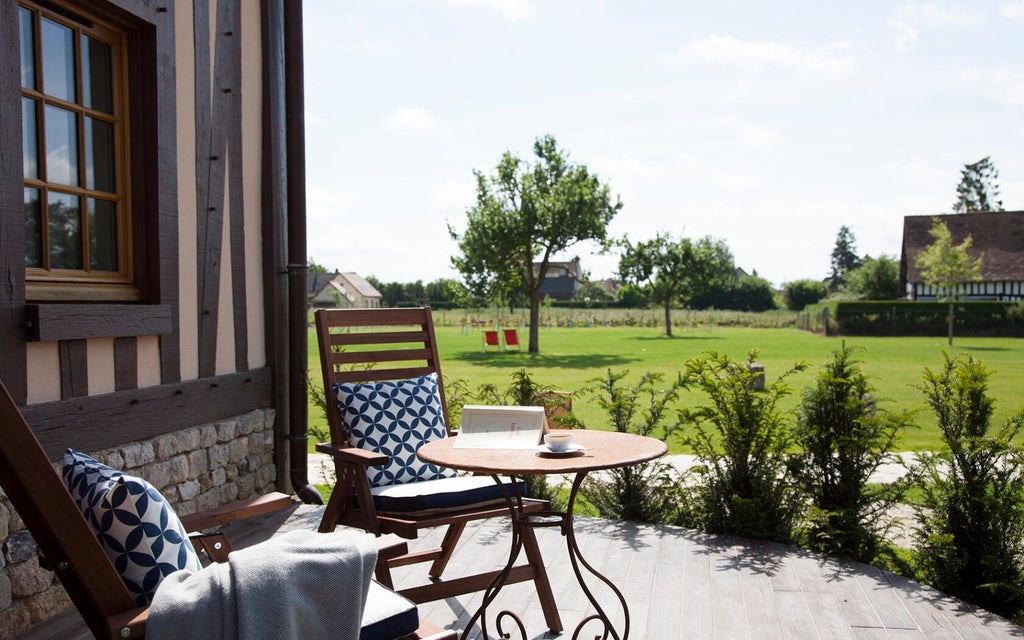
395 418
136 527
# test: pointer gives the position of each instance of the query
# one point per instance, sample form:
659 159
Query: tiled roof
997 236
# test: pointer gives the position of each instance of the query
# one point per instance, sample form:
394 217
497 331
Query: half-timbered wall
177 388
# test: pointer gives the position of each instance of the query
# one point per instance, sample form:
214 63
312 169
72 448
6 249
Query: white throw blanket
301 584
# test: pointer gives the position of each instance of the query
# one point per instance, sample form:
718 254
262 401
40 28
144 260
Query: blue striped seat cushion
423 498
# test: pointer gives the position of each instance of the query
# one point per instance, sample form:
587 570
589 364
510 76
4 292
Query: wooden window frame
135 146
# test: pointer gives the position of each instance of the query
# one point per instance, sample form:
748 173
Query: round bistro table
601 450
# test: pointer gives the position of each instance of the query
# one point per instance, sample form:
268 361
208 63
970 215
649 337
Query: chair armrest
235 511
353 455
128 624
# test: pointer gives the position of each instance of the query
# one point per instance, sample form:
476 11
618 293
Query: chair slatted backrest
374 345
65 539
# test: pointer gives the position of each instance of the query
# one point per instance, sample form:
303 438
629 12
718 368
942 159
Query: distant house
562 280
997 236
346 290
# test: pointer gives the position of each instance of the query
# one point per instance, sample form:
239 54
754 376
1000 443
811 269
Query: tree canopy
676 271
946 266
876 279
844 257
525 214
978 189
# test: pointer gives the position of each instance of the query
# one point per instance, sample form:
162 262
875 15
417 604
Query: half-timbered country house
998 237
152 250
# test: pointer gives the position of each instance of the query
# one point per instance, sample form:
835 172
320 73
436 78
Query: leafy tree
593 292
747 293
633 297
978 189
945 266
745 485
313 267
800 293
528 213
844 257
675 271
970 541
845 438
876 279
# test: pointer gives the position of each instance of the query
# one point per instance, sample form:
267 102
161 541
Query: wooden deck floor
686 585
683 584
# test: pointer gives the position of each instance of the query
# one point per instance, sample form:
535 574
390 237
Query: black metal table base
564 520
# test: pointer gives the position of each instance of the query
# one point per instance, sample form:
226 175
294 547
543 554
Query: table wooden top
604 450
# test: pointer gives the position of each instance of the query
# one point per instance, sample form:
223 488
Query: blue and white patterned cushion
137 528
395 418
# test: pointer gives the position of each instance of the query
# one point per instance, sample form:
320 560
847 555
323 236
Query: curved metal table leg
547 519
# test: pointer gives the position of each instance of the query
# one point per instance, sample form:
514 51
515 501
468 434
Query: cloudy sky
768 125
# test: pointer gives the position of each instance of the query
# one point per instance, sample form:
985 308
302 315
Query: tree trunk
534 325
668 319
949 323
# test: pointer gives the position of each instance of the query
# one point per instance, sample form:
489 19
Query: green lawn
571 356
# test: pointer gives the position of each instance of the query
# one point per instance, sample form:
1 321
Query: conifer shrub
647 492
970 539
745 484
845 438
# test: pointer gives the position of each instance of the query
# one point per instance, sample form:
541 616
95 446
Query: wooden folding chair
511 339
491 340
401 346
69 546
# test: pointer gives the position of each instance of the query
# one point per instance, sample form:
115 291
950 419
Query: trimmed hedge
914 318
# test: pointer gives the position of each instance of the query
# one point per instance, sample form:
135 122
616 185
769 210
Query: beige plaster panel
188 312
99 353
42 365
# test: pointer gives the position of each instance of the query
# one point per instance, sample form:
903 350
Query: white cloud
1002 84
1013 10
911 18
412 120
750 135
511 10
759 56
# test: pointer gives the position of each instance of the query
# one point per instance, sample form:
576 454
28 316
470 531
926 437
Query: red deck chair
511 339
491 340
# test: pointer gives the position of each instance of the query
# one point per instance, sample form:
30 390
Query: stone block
207 436
20 547
138 454
28 578
48 603
227 430
250 422
219 456
237 449
5 519
189 490
6 597
14 619
177 468
198 464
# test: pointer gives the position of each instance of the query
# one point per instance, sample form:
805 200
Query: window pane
99 155
61 146
33 228
97 75
28 51
65 231
102 235
29 138
58 60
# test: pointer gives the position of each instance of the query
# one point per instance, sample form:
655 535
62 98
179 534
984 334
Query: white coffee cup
558 440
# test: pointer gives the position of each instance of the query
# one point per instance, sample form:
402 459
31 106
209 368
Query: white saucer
572 449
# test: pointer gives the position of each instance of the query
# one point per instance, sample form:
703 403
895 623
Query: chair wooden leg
451 537
540 580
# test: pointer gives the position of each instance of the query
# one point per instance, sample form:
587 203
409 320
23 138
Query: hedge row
913 318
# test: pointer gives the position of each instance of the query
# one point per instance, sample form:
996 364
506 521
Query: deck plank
697 586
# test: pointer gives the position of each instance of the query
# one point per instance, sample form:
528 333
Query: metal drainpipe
298 360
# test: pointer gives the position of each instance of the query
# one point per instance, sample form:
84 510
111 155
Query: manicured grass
570 357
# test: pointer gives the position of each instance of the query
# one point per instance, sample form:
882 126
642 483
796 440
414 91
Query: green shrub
845 439
745 483
970 539
800 293
647 492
